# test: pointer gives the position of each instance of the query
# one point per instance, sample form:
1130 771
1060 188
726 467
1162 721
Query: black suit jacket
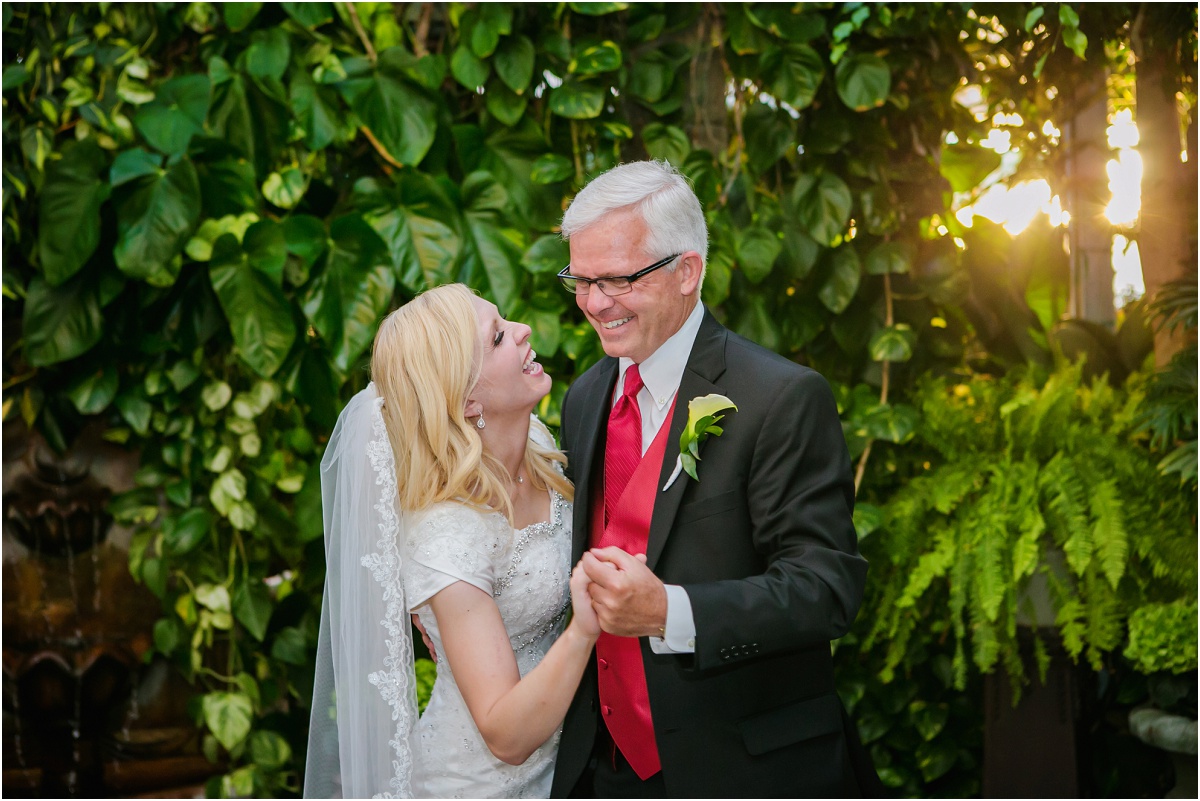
765 547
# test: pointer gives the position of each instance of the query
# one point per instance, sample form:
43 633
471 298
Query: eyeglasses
610 285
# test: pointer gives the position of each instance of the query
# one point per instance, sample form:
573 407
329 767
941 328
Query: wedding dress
365 739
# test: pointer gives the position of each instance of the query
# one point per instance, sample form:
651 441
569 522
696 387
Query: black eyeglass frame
564 275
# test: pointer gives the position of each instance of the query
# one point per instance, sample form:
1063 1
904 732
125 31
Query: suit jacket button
604 664
607 709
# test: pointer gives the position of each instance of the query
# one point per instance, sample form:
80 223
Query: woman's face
511 381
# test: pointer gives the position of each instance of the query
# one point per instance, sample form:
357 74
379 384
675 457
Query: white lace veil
364 698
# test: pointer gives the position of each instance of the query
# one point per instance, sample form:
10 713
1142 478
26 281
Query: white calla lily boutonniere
703 415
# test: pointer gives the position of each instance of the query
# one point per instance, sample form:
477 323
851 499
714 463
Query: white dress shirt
661 374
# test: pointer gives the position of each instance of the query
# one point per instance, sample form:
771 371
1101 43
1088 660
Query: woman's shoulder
459 515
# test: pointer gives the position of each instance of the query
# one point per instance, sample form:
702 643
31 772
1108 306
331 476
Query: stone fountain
87 712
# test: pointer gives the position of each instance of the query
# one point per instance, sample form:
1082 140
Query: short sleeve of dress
452 542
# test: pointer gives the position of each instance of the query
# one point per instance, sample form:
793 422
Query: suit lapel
591 427
705 365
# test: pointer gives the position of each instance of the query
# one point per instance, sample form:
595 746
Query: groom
713 677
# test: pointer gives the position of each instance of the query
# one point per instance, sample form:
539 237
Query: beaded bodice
527 573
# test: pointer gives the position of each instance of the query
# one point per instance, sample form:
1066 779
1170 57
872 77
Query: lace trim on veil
396 682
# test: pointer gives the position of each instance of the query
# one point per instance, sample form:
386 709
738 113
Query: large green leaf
863 81
240 15
757 248
483 25
396 110
796 72
228 716
844 274
305 238
268 53
92 392
577 101
316 110
176 114
666 142
265 244
259 315
155 222
867 518
252 608
290 646
965 166
769 134
69 211
509 154
310 15
505 105
889 257
59 323
892 423
255 122
745 36
269 750
787 20
822 203
514 62
347 299
286 187
417 222
598 9
184 534
469 69
756 323
227 186
651 77
548 254
129 165
800 252
551 168
546 331
595 59
496 248
892 344
718 273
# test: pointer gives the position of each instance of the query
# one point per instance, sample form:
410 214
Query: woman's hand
583 618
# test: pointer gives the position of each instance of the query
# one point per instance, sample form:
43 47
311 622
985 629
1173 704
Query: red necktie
623 450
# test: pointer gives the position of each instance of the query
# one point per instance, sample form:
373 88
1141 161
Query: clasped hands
626 596
628 599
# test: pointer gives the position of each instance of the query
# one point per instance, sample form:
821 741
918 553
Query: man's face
637 323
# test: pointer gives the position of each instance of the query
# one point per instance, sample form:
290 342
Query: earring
479 423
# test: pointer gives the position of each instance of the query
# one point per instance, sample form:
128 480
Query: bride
443 495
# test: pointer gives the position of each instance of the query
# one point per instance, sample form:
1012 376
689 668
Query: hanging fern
1037 479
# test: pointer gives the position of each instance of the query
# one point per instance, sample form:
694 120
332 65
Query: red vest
624 700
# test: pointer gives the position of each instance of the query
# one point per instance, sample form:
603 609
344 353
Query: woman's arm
514 715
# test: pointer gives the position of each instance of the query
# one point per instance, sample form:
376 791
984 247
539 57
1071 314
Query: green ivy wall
209 207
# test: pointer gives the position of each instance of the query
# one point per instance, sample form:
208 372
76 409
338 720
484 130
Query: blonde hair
425 361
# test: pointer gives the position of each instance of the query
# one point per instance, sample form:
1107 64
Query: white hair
656 191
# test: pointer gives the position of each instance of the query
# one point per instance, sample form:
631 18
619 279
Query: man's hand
416 621
628 598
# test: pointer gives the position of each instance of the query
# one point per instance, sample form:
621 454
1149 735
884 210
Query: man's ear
473 408
690 270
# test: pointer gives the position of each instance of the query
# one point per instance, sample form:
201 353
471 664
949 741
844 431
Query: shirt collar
662 371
